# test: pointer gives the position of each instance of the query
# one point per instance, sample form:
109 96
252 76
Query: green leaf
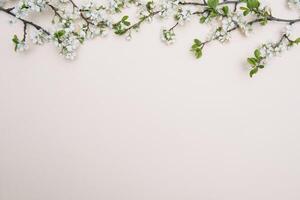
244 8
195 46
261 66
213 3
198 42
15 39
213 14
149 6
253 71
253 4
297 41
198 53
126 23
124 18
120 32
257 54
252 61
264 21
246 12
202 20
59 34
225 10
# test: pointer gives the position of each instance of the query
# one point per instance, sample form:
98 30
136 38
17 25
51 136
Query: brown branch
25 22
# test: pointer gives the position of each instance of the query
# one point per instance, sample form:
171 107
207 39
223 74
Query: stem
24 32
25 22
176 24
141 21
205 3
81 14
290 21
55 10
271 18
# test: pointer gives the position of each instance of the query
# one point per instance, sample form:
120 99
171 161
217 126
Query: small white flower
22 46
294 4
39 37
288 30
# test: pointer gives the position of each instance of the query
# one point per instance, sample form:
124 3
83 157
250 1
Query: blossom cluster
25 7
294 4
73 24
272 49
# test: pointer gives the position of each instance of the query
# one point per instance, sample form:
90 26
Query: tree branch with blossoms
73 24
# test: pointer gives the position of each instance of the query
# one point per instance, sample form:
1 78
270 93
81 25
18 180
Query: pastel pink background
142 121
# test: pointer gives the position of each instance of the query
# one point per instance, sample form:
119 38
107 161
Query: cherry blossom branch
25 22
90 20
205 3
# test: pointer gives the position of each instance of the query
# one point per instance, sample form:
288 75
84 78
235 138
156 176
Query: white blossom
24 7
294 4
22 46
288 30
39 37
183 15
74 24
